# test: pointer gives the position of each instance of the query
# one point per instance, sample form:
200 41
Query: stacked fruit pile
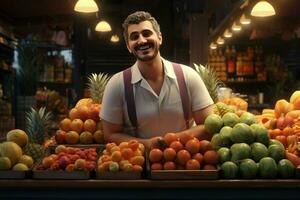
183 152
127 156
70 159
83 124
11 154
245 149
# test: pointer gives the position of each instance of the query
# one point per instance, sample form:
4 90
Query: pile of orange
127 156
184 152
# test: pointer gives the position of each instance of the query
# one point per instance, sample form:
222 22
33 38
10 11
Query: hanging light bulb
227 34
263 9
115 38
213 45
86 6
103 26
220 41
236 27
244 20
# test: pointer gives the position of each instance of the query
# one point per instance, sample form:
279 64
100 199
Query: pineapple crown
210 79
37 124
96 85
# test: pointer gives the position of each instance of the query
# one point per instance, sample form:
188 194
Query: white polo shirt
156 115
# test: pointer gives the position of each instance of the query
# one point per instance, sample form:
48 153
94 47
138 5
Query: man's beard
147 56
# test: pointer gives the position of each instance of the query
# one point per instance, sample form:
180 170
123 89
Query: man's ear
160 38
128 48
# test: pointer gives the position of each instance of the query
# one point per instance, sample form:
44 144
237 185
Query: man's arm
114 133
199 117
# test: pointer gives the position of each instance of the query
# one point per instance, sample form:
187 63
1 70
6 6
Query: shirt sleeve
198 92
112 102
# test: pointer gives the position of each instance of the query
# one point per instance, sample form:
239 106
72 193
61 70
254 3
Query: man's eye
146 33
134 37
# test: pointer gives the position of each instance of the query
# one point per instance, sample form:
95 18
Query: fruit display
283 124
12 157
244 148
183 152
83 126
69 159
127 157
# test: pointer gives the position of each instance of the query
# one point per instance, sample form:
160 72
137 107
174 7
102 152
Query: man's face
143 41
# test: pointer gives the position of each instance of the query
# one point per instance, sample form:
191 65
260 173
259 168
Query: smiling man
154 96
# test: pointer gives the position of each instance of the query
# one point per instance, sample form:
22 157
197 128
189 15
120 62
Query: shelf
54 83
246 82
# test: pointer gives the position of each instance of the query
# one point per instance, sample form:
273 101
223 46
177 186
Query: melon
12 151
18 136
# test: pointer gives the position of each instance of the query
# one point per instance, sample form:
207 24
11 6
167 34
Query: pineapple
212 84
221 108
37 122
96 86
210 80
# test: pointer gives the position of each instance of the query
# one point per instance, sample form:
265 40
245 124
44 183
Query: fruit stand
254 156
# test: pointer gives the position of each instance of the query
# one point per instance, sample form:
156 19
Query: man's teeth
144 47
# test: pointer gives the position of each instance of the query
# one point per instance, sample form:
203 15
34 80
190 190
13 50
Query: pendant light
114 38
244 20
213 45
103 26
236 27
86 6
220 41
263 9
227 34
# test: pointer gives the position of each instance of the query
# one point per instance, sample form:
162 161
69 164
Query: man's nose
141 39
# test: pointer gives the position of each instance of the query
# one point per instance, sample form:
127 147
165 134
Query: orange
170 137
155 155
205 145
158 143
209 167
116 156
192 164
72 137
184 137
193 146
183 156
137 160
211 157
127 153
198 156
156 166
89 125
77 125
169 154
176 145
170 165
133 144
73 114
137 168
65 124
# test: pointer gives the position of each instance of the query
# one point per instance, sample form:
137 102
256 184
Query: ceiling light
114 38
213 46
227 34
86 6
103 26
263 9
236 27
220 41
244 20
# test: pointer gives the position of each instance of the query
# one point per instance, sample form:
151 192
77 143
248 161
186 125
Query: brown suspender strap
129 96
183 92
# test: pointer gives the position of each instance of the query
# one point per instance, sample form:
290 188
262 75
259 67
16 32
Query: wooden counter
149 189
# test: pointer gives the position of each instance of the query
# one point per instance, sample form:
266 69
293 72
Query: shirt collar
137 76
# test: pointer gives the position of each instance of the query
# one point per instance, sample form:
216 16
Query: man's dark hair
136 18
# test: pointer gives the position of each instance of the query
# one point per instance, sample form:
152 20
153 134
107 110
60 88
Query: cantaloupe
12 151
